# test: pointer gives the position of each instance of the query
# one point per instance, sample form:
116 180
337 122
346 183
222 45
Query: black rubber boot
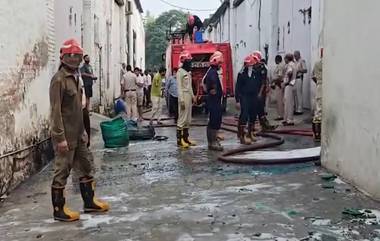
317 131
186 137
61 212
265 125
180 140
213 143
91 204
244 139
251 132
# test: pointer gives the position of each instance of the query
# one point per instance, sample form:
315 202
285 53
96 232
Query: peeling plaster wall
351 133
26 65
104 39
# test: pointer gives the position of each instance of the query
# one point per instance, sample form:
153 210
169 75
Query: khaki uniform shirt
290 73
278 73
184 83
130 80
300 66
66 108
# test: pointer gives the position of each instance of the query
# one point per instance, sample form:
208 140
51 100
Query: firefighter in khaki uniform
68 136
185 100
317 120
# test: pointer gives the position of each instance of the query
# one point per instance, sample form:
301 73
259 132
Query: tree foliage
155 31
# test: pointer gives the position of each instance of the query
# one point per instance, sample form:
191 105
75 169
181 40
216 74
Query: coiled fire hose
273 139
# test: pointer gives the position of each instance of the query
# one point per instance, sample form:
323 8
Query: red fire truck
201 53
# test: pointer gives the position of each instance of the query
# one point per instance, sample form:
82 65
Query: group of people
136 88
287 82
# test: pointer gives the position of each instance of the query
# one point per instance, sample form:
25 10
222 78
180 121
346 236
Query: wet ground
160 193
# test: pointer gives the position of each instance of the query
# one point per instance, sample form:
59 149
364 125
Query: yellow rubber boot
180 140
186 137
61 211
91 203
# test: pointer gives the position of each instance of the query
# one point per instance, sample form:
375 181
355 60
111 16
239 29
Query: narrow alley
177 120
158 192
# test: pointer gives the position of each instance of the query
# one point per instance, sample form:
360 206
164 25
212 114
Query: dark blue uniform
246 93
214 100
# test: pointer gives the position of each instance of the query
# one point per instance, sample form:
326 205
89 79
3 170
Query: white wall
351 132
295 34
68 22
26 66
104 35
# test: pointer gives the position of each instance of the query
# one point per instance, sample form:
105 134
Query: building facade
271 26
30 56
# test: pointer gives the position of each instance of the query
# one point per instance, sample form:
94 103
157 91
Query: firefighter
192 22
262 70
317 120
68 136
185 99
214 101
248 87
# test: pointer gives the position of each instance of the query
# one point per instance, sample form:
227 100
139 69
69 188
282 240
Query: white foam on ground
321 222
250 188
89 221
339 181
269 155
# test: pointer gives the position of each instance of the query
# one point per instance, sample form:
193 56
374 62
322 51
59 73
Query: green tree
155 29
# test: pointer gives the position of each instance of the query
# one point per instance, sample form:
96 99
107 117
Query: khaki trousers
279 96
318 105
298 95
131 101
185 115
157 103
80 159
289 104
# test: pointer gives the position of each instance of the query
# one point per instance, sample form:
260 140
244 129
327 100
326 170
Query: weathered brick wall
17 167
26 66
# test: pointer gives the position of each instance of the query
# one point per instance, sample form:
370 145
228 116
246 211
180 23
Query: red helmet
216 59
185 55
71 46
250 60
191 20
258 54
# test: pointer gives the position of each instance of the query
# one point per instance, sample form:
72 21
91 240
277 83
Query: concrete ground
160 193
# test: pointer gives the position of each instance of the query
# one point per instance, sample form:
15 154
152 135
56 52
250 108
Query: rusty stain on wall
14 87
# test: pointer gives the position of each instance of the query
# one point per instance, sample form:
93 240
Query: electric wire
184 8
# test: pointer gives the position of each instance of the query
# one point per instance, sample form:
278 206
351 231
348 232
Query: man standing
214 101
262 71
317 120
140 92
247 90
68 136
289 82
277 80
157 96
301 70
130 93
88 79
123 71
185 99
193 21
171 92
148 87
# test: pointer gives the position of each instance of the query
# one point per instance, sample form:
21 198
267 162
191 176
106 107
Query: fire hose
274 140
